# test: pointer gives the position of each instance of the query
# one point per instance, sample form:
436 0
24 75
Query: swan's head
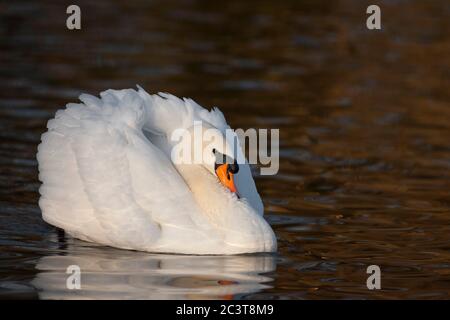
225 168
212 149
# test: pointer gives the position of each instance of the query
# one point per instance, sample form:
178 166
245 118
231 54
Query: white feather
107 177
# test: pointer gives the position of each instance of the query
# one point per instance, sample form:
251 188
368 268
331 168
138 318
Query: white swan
107 177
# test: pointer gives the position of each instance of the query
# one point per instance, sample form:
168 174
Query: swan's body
108 178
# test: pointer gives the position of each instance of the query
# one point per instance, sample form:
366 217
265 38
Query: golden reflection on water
363 119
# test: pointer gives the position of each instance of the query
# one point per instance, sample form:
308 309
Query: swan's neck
214 200
234 219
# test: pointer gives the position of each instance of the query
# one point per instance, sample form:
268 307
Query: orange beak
226 177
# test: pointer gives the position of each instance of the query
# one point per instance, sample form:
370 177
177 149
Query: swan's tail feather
63 201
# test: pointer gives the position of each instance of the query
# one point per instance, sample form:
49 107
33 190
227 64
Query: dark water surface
364 121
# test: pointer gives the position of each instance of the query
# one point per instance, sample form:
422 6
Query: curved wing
167 113
104 181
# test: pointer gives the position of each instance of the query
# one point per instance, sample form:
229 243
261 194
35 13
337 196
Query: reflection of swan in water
108 273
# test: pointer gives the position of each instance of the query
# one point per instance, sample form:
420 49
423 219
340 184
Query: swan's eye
233 168
214 150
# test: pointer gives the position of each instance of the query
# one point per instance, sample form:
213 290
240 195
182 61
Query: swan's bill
225 172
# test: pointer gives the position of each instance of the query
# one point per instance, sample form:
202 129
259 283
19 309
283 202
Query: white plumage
107 177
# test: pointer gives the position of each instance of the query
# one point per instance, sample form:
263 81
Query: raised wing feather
104 181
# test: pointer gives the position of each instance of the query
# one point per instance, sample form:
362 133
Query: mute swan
108 177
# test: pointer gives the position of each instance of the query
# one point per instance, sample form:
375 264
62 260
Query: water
364 126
